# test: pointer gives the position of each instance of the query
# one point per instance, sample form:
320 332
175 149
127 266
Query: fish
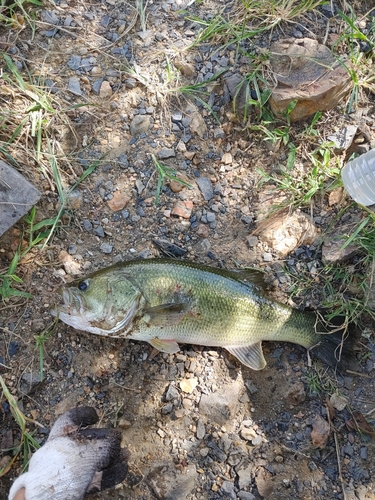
168 302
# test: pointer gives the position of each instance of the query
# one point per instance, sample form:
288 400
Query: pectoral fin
251 355
169 346
165 314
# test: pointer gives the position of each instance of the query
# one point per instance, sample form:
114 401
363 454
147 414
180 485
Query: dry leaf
18 21
359 423
320 432
335 196
264 482
330 409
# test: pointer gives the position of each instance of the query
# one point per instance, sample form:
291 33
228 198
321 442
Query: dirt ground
257 432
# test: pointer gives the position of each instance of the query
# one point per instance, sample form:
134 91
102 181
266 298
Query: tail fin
337 349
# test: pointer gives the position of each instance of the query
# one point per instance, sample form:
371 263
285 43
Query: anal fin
163 345
250 355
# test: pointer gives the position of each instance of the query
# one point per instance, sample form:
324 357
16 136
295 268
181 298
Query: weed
303 185
318 380
41 339
64 194
359 65
17 13
141 7
166 82
165 172
27 443
38 232
9 279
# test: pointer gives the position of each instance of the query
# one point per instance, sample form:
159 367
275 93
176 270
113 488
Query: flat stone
50 17
220 406
307 72
343 138
74 86
237 87
140 125
99 231
96 86
176 186
201 429
183 209
167 483
74 62
332 249
205 187
197 124
186 69
227 159
30 381
165 153
244 471
17 196
106 248
118 202
188 385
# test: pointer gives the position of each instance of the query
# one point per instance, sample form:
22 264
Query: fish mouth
72 303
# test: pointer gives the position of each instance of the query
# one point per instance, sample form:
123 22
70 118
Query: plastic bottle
358 177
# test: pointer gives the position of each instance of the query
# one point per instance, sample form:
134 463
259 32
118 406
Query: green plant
166 82
319 381
63 193
165 172
141 7
302 185
359 64
8 279
27 443
16 13
40 340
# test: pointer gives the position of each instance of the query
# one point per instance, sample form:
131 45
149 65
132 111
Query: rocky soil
197 423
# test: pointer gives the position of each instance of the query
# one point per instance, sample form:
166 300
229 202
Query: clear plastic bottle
358 177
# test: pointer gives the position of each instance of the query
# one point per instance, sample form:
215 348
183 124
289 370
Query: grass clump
165 172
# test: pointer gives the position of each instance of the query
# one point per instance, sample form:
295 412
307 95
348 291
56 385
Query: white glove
74 461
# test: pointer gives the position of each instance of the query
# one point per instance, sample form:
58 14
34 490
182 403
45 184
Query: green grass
359 65
40 340
301 186
27 444
163 173
319 381
19 14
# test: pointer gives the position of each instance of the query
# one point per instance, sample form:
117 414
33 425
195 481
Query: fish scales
223 310
166 302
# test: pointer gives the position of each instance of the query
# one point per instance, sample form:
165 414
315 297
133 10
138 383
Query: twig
359 374
333 428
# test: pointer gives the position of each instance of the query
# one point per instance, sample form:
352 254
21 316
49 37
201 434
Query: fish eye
83 285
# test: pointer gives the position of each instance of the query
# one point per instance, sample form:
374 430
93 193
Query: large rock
307 72
221 406
17 196
285 231
167 483
335 250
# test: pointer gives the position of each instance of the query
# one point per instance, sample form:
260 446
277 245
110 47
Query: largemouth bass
167 302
